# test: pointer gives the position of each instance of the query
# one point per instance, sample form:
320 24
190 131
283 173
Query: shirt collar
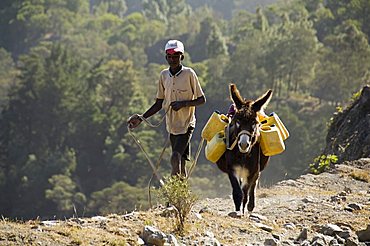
177 74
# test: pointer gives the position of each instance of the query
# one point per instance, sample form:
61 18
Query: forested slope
72 72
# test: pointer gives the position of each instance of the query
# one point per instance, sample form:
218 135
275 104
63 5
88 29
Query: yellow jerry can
261 117
274 119
216 123
271 140
216 147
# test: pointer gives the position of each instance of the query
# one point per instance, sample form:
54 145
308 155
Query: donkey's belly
241 173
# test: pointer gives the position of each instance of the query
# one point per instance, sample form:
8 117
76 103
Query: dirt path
290 213
311 202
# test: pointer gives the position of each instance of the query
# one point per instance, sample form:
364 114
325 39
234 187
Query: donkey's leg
245 195
237 191
252 190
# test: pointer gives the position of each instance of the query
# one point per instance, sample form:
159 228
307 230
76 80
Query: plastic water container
271 142
216 147
261 117
216 123
274 119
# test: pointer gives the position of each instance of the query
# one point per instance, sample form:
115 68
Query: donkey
244 161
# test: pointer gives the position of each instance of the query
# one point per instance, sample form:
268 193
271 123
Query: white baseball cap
173 46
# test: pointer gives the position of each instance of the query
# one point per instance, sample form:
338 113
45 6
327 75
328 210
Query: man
179 92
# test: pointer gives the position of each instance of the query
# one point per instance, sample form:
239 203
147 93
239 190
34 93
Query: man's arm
154 108
135 120
188 103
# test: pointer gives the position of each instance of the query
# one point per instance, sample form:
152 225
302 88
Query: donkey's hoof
235 214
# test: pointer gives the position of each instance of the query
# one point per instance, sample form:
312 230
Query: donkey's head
245 121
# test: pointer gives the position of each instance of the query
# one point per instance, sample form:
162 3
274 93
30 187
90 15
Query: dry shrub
176 192
361 175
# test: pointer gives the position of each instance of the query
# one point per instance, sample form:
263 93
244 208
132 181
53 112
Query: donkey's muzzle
244 143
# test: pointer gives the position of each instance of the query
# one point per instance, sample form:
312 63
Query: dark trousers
181 143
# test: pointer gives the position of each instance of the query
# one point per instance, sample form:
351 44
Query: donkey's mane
246 111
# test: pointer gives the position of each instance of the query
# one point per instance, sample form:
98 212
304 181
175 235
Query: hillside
331 208
349 134
319 209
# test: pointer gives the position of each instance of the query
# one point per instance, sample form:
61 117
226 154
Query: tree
12 31
246 67
64 194
8 74
105 152
37 125
261 23
115 7
241 26
209 42
344 64
355 11
323 20
137 32
119 198
174 13
291 56
28 22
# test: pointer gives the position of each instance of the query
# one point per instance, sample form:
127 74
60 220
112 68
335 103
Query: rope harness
237 138
229 128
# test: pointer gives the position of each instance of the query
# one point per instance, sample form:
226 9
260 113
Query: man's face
174 60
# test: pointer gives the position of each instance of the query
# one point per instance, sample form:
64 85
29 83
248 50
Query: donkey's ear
235 96
261 103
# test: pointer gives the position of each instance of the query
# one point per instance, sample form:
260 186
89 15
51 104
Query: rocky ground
332 208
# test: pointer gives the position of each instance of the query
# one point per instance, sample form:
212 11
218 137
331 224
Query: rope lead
155 171
156 167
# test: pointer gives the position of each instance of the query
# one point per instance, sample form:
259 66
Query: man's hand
134 121
178 105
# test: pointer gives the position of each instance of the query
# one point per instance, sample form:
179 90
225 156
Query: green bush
323 163
176 192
